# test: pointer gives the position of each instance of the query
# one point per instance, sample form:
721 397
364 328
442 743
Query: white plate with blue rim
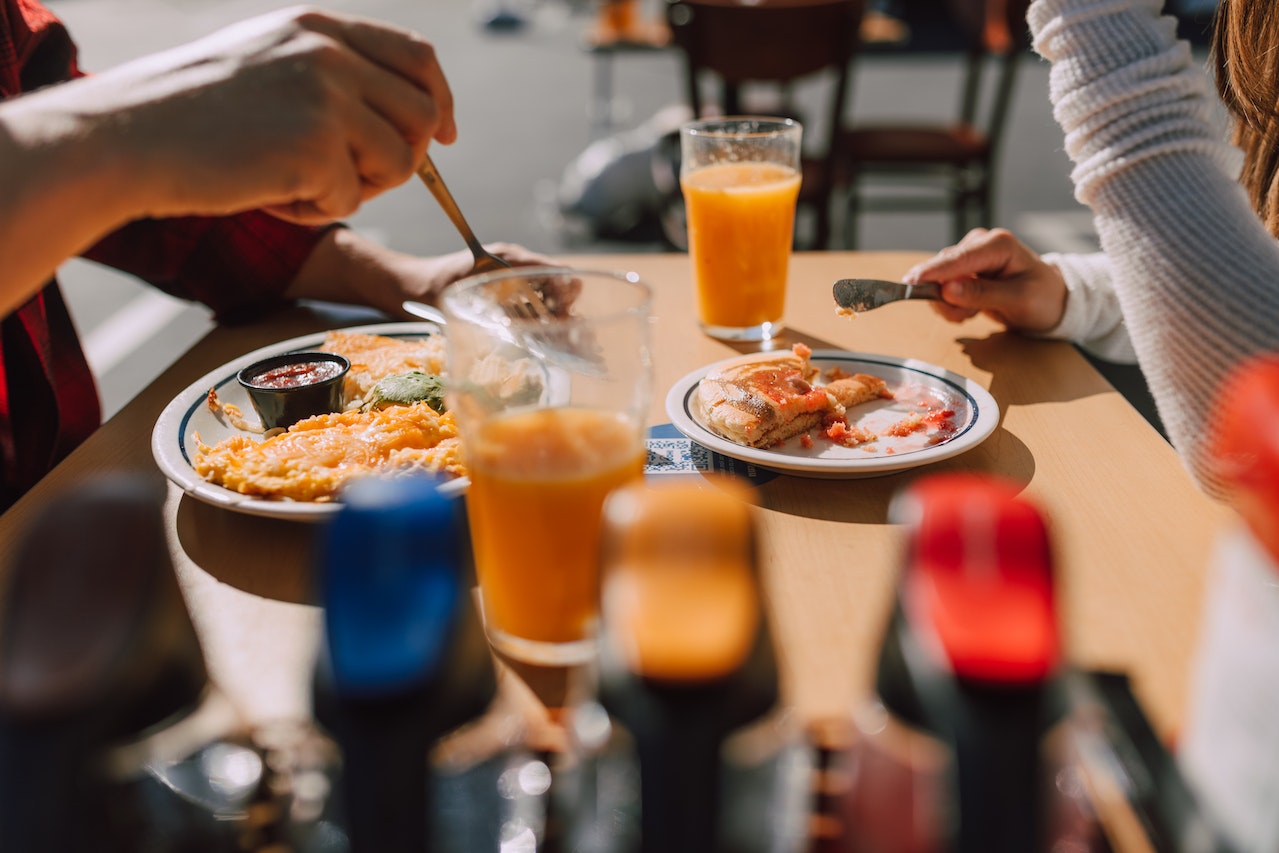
940 414
173 441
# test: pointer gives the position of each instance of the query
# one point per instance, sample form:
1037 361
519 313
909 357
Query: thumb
980 294
962 292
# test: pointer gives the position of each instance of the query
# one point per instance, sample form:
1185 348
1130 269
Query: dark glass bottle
406 685
111 735
684 743
961 748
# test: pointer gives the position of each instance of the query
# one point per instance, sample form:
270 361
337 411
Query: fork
485 261
526 303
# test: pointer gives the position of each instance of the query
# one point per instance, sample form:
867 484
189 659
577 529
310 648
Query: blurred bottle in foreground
685 747
956 753
1229 751
406 683
111 736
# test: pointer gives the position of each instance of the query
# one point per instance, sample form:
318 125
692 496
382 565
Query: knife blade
865 294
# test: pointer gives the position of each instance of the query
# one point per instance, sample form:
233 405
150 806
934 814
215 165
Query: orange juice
538 481
741 224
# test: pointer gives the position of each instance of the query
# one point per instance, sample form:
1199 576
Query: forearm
60 190
345 267
1192 265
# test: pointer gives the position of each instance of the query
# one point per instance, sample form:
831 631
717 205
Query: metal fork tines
525 302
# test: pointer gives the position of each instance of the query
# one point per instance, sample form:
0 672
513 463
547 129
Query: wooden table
1133 534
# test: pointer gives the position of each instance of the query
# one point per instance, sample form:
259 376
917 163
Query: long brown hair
1245 56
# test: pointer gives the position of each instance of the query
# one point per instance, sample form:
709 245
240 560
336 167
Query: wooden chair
773 44
942 165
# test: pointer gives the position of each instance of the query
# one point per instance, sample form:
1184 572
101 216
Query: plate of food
210 441
832 413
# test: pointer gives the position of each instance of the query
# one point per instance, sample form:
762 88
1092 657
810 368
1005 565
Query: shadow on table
992 353
278 566
865 500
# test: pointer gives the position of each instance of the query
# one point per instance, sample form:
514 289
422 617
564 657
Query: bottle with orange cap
1229 750
685 738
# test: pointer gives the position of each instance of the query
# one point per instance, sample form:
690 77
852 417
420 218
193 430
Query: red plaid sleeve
232 264
48 399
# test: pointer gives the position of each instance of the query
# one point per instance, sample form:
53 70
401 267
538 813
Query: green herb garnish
405 389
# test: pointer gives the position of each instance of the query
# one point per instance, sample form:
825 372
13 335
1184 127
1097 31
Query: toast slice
762 400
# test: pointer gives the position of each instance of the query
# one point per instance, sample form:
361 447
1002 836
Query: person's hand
348 267
301 112
429 276
426 278
993 272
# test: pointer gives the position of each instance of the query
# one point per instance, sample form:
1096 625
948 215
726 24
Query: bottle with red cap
952 754
1229 750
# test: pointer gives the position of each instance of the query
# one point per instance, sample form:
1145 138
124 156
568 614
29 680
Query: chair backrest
767 41
993 30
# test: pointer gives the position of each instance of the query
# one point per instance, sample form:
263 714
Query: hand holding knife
865 294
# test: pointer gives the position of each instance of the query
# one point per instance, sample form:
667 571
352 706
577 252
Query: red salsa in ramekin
286 388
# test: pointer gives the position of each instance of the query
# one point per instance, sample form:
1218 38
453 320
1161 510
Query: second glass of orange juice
740 178
552 412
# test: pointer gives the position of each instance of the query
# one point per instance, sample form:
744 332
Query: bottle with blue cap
405 673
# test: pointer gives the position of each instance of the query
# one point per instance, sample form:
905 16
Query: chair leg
851 212
985 202
821 230
959 217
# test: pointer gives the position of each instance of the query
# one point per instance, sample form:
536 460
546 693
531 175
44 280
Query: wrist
69 163
345 267
60 191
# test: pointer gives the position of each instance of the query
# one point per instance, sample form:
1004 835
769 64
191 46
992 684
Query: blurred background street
530 100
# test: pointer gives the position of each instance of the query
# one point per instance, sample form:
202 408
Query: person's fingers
412 112
406 54
381 122
984 294
981 252
379 152
331 189
297 212
1017 302
519 256
965 293
953 313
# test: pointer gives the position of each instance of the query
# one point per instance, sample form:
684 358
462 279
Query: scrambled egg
316 457
373 357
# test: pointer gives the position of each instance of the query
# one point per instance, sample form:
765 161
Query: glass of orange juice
740 178
551 407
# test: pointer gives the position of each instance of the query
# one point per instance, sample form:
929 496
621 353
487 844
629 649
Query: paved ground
527 104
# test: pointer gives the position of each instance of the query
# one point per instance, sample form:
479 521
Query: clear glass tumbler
550 379
740 178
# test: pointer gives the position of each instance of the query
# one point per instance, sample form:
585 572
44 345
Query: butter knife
865 294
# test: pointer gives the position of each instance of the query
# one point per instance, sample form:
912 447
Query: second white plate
914 384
